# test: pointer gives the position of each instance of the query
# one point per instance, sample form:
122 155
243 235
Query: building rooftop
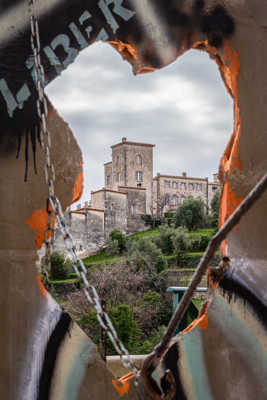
125 141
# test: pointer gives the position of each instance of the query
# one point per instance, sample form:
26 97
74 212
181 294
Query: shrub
60 268
148 220
148 345
164 240
117 235
145 255
126 327
194 244
112 247
181 242
203 242
151 298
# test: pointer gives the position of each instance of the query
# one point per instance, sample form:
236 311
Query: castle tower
131 167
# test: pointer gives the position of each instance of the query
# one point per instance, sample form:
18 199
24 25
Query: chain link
54 208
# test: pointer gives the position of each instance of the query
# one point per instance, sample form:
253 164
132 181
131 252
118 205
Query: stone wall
87 229
136 207
108 175
97 199
115 216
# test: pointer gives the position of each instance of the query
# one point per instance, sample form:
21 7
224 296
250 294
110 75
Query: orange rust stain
201 322
229 202
78 187
124 385
229 70
38 223
126 50
145 70
229 66
41 286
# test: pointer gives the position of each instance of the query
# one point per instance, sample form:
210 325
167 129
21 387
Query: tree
116 242
190 214
215 205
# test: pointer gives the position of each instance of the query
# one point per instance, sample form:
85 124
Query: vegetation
215 204
60 268
130 274
190 214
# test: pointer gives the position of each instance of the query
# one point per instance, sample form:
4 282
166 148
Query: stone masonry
130 191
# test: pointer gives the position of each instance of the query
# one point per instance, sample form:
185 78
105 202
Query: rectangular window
183 186
167 184
118 160
191 186
199 187
175 185
139 176
133 209
108 180
167 199
118 177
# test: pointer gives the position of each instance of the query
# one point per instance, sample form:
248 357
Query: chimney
124 139
184 174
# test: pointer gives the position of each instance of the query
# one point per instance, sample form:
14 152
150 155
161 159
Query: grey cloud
182 144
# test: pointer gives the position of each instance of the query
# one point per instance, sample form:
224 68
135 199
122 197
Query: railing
192 311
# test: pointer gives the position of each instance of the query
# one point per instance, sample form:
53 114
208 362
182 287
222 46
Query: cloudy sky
183 109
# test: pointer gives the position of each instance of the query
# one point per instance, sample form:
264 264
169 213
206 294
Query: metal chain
54 203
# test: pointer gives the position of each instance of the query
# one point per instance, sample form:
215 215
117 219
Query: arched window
175 200
138 160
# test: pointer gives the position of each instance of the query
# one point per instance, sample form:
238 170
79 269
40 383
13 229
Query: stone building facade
170 191
130 191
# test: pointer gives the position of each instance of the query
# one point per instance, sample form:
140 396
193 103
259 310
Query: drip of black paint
233 289
34 134
51 353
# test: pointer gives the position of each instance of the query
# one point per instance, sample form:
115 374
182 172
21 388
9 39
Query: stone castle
130 192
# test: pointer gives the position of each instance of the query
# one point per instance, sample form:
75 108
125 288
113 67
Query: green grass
101 258
148 233
65 281
199 232
195 253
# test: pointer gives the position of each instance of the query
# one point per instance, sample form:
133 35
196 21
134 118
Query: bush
112 247
203 242
148 220
194 244
164 240
126 327
180 240
117 236
148 345
60 268
145 255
